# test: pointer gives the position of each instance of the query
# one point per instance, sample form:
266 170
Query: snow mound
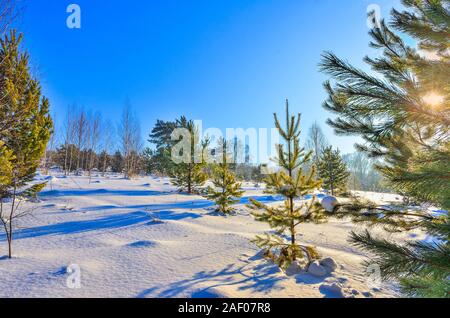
329 203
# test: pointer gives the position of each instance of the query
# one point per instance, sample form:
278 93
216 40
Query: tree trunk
190 179
292 233
70 160
332 184
8 240
9 246
292 227
10 236
104 166
66 155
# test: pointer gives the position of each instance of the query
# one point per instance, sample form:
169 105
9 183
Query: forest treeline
86 142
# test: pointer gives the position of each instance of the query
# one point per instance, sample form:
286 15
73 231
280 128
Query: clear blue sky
230 63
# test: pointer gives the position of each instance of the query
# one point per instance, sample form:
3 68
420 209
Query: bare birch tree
129 131
69 138
94 124
81 128
107 143
9 12
316 142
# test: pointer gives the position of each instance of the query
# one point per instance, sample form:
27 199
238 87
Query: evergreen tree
292 184
403 114
25 116
117 162
333 171
189 176
6 170
227 190
61 156
148 156
104 161
161 137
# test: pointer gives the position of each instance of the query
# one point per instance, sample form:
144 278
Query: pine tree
160 136
148 156
117 162
227 190
189 176
292 184
24 115
6 170
333 171
403 114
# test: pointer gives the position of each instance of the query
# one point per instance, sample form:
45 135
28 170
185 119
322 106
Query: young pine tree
333 171
290 183
189 175
227 190
403 114
25 130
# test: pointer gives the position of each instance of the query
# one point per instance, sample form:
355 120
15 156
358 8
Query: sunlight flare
433 99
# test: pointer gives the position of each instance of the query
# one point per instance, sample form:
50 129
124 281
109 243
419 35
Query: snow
140 238
329 203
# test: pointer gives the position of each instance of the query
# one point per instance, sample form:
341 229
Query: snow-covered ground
139 238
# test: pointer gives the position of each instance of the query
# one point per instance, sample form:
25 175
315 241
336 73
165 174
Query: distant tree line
87 142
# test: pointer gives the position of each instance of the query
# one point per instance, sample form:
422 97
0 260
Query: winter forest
96 205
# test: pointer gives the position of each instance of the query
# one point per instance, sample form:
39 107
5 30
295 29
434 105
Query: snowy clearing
140 238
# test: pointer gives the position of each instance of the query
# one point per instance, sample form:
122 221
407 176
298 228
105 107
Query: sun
433 99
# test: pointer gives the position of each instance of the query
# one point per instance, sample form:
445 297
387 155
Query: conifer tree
24 117
117 162
227 190
6 158
148 156
160 136
291 183
189 176
104 160
333 170
403 114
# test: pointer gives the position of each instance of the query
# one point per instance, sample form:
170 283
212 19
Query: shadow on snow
101 192
189 205
104 223
263 278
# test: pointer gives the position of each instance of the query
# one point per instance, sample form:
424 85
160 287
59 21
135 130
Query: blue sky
230 63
